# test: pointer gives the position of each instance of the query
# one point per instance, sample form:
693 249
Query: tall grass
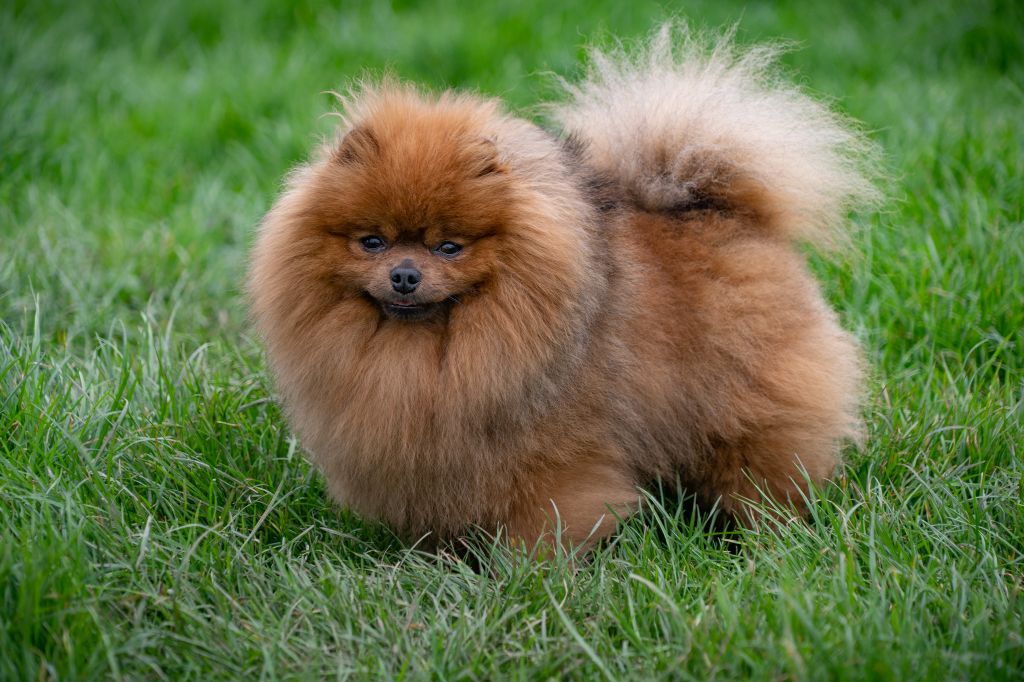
157 519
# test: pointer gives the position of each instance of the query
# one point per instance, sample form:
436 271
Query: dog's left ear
359 144
487 159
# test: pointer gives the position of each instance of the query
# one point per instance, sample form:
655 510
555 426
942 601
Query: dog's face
412 275
412 269
410 214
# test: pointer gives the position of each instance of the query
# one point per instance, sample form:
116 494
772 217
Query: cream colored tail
688 122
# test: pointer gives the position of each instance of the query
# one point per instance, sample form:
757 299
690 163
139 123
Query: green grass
158 521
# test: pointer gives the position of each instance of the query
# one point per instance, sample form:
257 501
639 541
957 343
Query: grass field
158 521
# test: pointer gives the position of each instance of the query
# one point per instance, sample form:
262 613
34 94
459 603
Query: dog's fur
629 305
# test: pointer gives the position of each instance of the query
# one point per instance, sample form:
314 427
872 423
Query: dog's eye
373 244
448 249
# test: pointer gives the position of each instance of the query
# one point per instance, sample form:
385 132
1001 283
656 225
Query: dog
475 322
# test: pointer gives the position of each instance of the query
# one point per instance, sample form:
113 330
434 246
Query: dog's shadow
669 518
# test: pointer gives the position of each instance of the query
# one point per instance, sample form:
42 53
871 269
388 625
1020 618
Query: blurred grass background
158 520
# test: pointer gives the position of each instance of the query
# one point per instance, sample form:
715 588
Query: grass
158 521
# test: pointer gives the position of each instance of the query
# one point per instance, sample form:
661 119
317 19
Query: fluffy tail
689 123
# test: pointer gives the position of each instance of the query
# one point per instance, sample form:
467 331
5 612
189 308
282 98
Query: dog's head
438 251
414 206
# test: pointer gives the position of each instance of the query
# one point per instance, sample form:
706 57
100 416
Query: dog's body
474 323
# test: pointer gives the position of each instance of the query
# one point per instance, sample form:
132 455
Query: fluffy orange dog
474 322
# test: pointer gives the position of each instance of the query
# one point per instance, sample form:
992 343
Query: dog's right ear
359 144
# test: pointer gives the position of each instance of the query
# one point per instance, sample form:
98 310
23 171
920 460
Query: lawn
158 520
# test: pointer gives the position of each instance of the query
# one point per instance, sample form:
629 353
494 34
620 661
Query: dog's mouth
412 311
408 310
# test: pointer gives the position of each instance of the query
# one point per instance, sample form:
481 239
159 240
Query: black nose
405 279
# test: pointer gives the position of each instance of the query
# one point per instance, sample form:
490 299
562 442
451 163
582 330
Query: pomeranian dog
475 322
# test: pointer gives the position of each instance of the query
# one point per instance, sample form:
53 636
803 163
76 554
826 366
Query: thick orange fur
628 305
